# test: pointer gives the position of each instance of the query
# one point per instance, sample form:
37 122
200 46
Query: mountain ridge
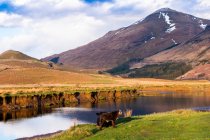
157 32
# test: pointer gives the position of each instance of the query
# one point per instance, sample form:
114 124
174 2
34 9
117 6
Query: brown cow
106 124
105 118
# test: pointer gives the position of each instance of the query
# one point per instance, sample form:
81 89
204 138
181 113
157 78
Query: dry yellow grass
43 79
172 85
54 80
48 76
127 113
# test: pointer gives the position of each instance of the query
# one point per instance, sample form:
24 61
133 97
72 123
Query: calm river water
27 123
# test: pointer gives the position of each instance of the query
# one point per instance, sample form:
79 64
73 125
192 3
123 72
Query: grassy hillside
17 68
14 59
10 54
176 125
162 71
169 70
49 76
198 73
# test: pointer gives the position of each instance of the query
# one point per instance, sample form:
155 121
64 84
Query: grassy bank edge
178 125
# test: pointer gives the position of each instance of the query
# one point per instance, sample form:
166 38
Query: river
30 122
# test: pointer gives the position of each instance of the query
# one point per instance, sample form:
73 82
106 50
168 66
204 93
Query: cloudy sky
44 27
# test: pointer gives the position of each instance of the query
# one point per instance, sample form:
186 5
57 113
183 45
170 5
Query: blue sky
6 7
44 27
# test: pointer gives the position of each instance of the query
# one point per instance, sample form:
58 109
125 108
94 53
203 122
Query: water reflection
29 122
37 125
23 113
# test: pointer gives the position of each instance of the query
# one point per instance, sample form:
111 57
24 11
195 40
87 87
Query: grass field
175 125
48 76
67 81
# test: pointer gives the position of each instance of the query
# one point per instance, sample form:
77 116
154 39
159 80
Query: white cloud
49 36
45 27
20 2
204 3
13 20
73 4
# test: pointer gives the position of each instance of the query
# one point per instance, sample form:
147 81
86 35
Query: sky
41 28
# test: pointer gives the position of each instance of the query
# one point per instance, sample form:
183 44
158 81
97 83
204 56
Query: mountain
15 59
190 59
15 55
161 30
194 51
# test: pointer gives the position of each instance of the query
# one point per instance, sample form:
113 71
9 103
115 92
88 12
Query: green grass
169 70
175 125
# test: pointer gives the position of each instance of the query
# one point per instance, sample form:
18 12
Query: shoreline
41 136
173 116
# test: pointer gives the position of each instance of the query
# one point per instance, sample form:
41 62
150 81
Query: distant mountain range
166 44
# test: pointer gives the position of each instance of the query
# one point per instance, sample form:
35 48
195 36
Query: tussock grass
127 113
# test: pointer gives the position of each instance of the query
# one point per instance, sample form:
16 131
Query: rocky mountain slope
194 51
162 30
192 55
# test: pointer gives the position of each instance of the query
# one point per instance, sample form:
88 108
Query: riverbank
52 99
14 97
179 125
117 83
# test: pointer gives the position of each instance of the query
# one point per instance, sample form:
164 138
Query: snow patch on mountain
172 26
174 41
117 32
152 37
169 30
202 25
137 22
120 30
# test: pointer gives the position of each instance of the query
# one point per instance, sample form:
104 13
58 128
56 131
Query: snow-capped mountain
164 29
194 53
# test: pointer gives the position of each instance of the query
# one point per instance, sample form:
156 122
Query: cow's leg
98 121
101 123
113 123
